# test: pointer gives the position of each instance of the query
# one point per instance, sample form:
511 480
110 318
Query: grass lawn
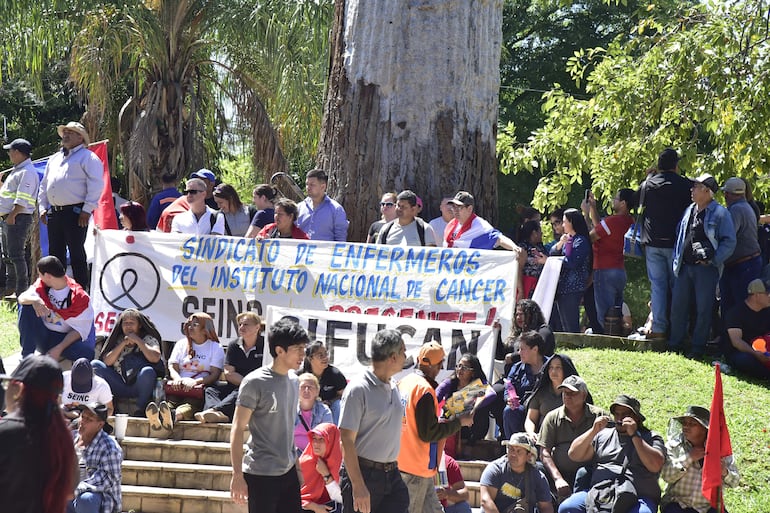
665 384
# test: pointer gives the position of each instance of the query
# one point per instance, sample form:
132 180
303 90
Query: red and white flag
104 215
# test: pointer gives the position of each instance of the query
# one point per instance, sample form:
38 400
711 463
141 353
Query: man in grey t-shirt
407 229
370 429
267 404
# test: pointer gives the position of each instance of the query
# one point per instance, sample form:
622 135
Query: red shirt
608 249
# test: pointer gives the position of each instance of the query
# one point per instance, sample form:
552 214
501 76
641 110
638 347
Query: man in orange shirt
422 435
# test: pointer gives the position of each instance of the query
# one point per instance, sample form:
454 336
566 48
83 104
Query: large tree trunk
412 104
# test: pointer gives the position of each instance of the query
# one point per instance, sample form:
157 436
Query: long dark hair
146 327
310 351
544 380
533 318
135 213
577 221
208 326
478 372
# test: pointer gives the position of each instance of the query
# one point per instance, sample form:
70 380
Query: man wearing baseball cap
422 435
609 445
18 197
561 427
745 264
99 459
513 481
69 193
745 322
467 230
705 240
81 386
684 465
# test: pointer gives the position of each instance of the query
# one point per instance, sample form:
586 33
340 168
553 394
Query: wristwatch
327 478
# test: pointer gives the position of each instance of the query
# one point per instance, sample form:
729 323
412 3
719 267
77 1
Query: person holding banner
17 204
200 219
68 194
370 421
407 229
285 226
683 469
237 215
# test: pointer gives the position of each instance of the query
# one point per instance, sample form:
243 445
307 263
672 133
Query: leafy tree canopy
698 85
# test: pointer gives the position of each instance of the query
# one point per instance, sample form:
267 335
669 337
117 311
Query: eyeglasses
463 368
387 204
192 191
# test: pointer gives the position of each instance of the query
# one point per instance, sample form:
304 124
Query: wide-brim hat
75 127
522 440
629 402
698 413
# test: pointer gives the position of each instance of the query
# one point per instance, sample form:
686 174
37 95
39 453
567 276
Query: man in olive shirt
561 427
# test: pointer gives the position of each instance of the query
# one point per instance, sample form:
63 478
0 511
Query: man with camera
705 240
623 450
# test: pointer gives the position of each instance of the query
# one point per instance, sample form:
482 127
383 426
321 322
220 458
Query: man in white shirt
407 229
81 386
197 220
439 223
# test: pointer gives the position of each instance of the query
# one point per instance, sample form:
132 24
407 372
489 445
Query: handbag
616 495
632 239
195 392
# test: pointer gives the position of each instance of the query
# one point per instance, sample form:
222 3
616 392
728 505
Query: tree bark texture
412 104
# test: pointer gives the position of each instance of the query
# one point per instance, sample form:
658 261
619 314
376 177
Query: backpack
383 235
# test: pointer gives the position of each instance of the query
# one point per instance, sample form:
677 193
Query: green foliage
238 171
696 84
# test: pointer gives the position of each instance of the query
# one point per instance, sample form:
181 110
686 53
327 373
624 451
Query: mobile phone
588 192
611 424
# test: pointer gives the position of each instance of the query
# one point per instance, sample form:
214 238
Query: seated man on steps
55 315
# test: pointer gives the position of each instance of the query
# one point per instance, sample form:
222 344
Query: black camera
611 424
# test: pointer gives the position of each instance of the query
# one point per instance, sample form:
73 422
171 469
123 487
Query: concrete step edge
183 493
174 467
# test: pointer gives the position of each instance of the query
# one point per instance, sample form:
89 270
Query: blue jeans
576 503
734 284
14 241
660 272
699 281
87 502
568 306
334 406
33 334
142 388
460 507
747 364
608 290
513 420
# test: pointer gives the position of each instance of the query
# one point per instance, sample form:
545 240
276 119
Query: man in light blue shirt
320 217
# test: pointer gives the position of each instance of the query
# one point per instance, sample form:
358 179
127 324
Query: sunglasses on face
387 204
192 191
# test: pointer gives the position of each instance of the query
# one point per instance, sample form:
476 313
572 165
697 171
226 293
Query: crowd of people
319 443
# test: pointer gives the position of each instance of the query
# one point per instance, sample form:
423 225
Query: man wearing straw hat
69 193
683 469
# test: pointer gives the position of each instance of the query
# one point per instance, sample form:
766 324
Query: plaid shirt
683 475
103 457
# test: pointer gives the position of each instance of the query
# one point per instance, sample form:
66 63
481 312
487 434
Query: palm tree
164 76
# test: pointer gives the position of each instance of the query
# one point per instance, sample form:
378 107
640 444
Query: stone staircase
188 470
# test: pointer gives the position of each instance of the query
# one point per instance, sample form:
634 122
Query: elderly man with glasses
200 219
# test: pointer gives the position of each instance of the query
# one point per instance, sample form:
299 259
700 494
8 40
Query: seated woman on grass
195 363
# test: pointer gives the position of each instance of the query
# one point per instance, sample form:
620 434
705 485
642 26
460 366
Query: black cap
82 376
21 145
40 372
100 411
462 198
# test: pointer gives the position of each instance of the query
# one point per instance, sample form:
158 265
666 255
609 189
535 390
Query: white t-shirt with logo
206 355
100 392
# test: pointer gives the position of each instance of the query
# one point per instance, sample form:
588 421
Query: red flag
104 215
717 446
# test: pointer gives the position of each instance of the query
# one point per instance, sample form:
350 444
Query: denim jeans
513 420
576 503
568 306
698 281
221 397
33 334
87 502
142 388
660 271
14 241
734 284
745 363
608 290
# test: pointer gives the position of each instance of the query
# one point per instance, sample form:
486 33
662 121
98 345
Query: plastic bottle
160 391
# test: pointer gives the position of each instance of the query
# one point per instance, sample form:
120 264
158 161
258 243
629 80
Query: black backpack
383 235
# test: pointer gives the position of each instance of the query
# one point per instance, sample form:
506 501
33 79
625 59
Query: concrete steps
188 470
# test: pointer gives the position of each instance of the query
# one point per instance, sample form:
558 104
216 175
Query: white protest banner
170 276
348 338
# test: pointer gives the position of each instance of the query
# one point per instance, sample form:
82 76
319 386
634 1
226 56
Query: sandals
166 418
153 416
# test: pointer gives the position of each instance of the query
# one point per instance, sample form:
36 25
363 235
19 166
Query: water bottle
160 391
